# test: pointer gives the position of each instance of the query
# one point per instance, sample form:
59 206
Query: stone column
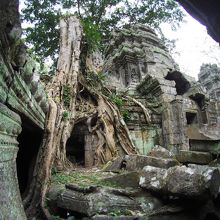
173 124
10 200
89 157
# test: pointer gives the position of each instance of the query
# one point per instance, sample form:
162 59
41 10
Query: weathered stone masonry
182 115
23 106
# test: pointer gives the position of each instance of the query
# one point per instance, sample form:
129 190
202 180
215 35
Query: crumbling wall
138 64
22 102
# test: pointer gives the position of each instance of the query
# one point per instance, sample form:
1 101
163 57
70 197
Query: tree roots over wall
73 101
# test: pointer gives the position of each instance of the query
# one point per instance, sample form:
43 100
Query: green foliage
99 18
43 34
92 34
65 115
95 79
117 100
66 95
126 115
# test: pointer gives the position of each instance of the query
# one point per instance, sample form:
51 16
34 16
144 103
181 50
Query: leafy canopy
99 18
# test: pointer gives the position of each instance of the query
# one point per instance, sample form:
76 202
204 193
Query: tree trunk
65 93
57 129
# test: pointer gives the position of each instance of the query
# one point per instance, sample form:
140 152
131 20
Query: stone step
195 157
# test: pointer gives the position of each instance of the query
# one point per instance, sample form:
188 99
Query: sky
193 46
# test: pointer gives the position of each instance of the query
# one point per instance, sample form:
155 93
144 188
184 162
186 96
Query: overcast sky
193 46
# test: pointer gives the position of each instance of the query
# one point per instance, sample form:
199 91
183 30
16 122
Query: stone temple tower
181 114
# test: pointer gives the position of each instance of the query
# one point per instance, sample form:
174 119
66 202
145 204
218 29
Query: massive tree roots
71 100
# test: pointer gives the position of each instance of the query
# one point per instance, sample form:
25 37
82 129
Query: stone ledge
137 162
194 157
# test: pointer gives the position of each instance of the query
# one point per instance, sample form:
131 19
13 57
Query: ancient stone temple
162 106
209 77
23 105
182 116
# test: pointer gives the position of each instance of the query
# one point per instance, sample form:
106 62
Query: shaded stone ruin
209 77
23 106
182 115
166 107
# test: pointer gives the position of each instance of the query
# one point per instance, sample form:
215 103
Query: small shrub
101 76
117 100
95 79
126 115
66 95
65 115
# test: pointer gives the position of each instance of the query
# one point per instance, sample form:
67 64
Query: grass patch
120 212
82 179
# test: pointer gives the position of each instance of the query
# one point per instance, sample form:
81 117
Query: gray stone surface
194 157
137 62
209 77
153 179
127 179
137 162
105 217
17 101
181 181
161 152
104 201
10 199
114 165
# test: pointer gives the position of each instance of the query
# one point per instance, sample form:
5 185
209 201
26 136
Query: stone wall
139 65
22 102
209 77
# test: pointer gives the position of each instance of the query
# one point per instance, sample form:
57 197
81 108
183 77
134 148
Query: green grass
119 212
82 179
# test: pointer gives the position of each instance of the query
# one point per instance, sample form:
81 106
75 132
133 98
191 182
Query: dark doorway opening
182 84
191 118
75 146
29 144
200 100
